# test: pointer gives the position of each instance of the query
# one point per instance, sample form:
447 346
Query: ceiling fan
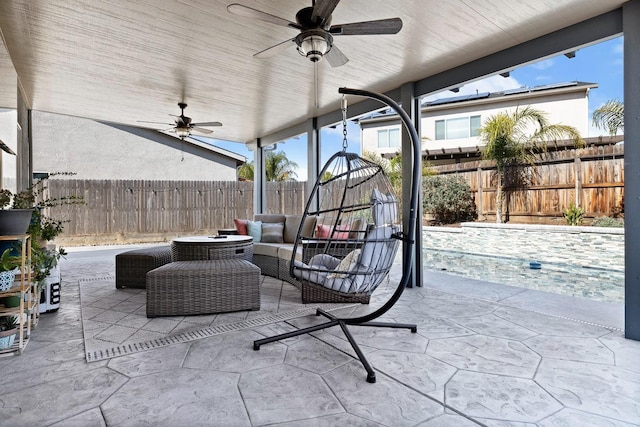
184 127
315 40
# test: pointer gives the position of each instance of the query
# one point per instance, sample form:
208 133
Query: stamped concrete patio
484 354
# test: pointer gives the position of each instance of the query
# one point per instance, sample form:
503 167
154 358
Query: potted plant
8 265
41 227
8 331
13 220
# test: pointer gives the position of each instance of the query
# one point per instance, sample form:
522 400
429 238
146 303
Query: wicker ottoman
185 288
132 266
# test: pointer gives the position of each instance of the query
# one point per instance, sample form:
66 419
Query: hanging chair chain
344 123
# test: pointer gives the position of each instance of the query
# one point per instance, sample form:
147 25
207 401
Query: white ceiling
124 61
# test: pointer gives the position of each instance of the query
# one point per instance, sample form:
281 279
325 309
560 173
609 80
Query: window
389 138
459 127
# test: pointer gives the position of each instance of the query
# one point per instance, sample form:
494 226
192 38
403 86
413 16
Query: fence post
577 169
479 189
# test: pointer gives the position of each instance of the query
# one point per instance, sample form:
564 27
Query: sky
600 63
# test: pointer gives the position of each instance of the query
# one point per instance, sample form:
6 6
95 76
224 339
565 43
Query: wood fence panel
592 178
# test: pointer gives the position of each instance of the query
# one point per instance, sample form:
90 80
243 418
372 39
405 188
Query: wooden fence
147 211
592 178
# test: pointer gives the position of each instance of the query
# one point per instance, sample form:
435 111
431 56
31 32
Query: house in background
450 126
106 151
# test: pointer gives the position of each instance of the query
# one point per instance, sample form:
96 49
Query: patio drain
188 336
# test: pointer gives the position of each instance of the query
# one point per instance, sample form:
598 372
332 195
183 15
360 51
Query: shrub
448 198
573 215
607 221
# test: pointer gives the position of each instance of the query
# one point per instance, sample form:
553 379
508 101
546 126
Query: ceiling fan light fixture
182 132
314 44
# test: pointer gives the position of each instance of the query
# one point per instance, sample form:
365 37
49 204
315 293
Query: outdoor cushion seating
132 266
273 257
185 288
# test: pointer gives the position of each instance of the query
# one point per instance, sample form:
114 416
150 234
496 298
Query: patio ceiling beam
579 35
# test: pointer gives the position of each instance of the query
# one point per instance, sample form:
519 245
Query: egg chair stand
406 236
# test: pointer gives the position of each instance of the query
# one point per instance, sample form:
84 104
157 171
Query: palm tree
277 168
610 116
513 139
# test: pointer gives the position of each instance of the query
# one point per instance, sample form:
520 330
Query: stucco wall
569 108
95 150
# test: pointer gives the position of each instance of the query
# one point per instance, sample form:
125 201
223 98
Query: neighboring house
450 125
106 151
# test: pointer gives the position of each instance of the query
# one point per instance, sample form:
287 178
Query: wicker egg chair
356 238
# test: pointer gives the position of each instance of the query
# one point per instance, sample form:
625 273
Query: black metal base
334 321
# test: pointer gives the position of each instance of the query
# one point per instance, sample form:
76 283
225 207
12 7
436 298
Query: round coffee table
194 248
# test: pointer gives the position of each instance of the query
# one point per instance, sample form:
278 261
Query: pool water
594 283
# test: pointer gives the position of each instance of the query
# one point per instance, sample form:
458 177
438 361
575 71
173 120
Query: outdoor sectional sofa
274 258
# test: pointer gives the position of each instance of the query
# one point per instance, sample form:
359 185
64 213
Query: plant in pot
43 228
8 331
13 220
8 265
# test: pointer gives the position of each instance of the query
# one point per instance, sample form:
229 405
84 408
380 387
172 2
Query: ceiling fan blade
273 50
381 26
155 123
335 57
322 10
207 124
249 12
201 130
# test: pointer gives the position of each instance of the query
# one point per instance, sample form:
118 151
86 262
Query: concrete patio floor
484 354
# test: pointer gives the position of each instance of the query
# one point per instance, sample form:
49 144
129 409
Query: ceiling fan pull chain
344 123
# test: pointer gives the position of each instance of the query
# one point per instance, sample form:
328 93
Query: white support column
631 28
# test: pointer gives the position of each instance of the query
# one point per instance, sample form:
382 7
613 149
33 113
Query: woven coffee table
198 248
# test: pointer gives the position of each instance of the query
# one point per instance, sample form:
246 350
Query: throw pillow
347 264
272 232
254 229
241 226
324 232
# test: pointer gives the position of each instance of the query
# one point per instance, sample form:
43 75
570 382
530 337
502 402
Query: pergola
127 61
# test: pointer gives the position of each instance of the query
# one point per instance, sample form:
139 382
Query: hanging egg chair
356 237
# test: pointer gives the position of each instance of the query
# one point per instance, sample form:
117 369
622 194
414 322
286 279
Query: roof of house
486 97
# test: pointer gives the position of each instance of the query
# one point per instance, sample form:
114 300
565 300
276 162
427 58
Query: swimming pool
594 283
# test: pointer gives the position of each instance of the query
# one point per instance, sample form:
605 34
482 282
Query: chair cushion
375 245
254 229
384 208
272 232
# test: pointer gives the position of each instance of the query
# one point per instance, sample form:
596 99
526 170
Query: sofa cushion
285 252
269 217
291 225
272 232
266 249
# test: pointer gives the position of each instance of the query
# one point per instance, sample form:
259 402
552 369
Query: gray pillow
272 232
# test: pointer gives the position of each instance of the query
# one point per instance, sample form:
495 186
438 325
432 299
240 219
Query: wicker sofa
274 258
